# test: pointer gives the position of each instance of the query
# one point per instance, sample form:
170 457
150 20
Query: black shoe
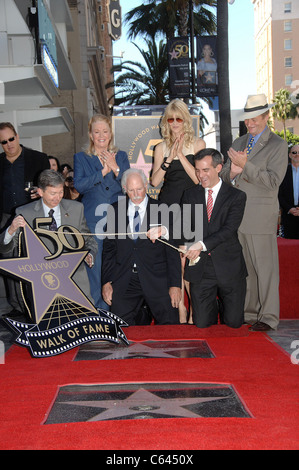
260 326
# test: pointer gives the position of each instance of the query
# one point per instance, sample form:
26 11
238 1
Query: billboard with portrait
207 76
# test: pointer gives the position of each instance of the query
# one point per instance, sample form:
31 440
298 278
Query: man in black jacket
288 196
220 270
134 268
18 165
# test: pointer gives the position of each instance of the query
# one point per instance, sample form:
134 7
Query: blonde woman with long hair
173 163
97 177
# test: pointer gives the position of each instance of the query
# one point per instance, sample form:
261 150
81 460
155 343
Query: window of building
288 26
288 7
288 79
288 44
288 62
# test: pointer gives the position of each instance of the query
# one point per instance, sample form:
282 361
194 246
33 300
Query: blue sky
241 48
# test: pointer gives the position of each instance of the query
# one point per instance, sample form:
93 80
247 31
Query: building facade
277 50
55 60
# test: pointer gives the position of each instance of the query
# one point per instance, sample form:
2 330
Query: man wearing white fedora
257 164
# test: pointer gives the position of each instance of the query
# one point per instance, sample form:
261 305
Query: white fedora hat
255 105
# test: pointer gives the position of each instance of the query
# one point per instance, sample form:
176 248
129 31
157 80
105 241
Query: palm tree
170 17
284 108
143 83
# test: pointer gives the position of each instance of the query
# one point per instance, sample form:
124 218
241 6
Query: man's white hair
130 172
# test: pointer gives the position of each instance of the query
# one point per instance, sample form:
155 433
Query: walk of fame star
63 317
89 403
145 350
49 279
141 163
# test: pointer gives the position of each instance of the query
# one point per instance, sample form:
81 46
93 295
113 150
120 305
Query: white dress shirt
56 213
142 209
131 211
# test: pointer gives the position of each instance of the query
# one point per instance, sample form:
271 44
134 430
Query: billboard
207 75
179 71
138 136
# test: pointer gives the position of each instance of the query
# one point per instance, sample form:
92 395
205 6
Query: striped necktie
136 223
250 146
210 203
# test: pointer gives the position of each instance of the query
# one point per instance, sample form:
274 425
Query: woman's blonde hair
180 109
100 118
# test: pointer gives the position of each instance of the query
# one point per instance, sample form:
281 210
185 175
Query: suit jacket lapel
202 200
64 212
38 208
219 201
146 220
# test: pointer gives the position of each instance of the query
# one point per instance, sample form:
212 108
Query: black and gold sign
179 67
62 316
114 15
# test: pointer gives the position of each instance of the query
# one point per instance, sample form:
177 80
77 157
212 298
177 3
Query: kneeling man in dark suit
221 270
135 266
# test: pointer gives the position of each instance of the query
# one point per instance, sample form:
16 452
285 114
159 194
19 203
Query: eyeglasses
171 120
4 142
69 179
295 153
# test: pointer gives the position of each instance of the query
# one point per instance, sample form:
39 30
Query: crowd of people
228 269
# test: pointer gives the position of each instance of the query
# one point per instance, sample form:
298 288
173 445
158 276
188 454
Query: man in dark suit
288 196
134 268
220 270
66 212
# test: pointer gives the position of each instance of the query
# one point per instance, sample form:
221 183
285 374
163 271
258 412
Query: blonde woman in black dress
173 163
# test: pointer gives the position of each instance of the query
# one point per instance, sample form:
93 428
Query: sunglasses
171 120
4 142
69 179
295 153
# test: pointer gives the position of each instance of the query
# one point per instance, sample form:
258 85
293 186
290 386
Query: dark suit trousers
290 226
205 306
128 305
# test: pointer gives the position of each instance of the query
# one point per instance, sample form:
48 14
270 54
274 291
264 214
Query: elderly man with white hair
136 268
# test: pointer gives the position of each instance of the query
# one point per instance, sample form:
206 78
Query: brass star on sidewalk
143 401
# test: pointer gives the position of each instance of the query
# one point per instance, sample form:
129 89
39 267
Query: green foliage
284 108
143 83
292 139
170 18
